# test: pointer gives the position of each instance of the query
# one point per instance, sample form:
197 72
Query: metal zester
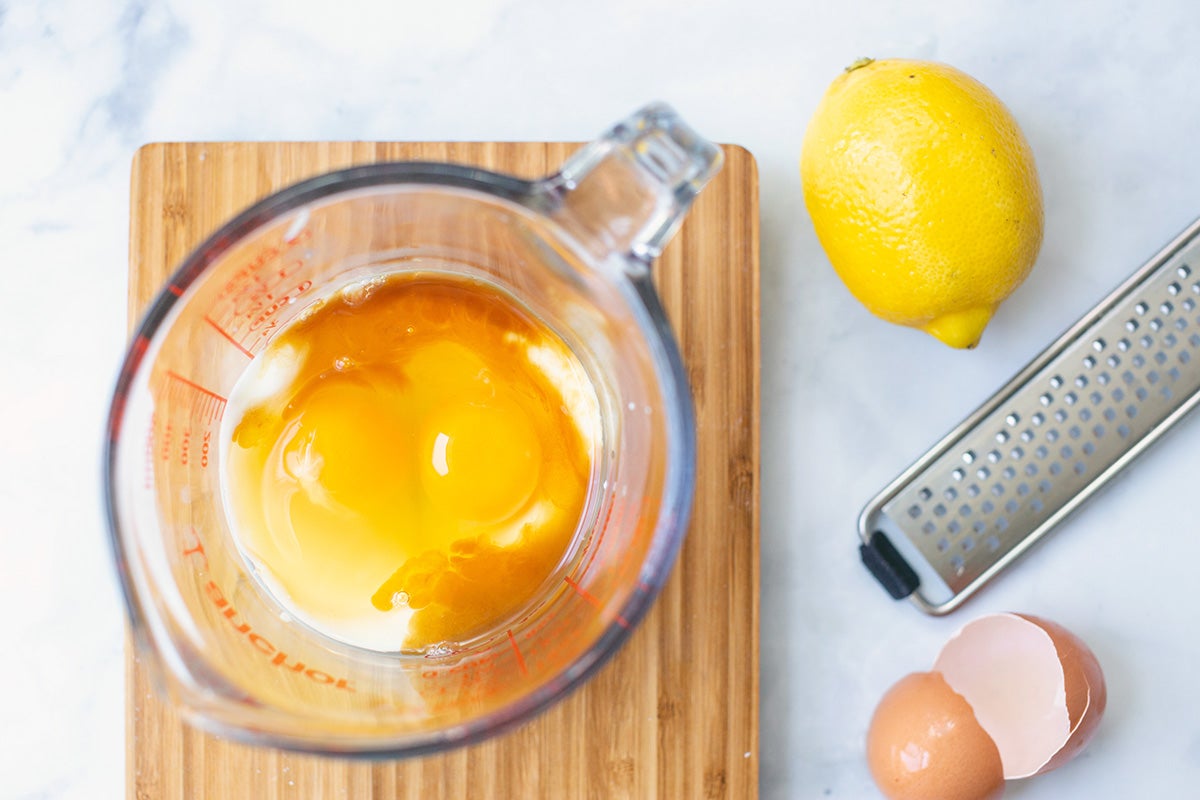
1064 425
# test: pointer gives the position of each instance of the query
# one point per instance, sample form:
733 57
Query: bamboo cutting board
675 713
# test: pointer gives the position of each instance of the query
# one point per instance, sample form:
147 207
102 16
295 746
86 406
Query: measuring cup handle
627 192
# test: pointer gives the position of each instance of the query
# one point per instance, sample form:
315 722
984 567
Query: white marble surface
1106 91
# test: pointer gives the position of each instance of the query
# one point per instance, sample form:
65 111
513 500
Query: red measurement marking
586 595
197 550
228 338
175 290
194 385
148 468
259 642
520 658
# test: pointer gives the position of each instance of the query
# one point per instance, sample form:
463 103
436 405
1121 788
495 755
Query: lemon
924 195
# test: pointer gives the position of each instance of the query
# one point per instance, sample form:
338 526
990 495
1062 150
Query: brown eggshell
1083 679
924 742
1009 672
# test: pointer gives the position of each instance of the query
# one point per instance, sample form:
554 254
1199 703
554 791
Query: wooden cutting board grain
675 714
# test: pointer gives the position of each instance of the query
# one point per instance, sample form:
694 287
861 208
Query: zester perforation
1057 431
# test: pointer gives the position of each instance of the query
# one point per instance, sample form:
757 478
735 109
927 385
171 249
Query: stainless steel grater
1054 434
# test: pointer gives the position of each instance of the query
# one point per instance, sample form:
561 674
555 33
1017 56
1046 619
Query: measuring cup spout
627 192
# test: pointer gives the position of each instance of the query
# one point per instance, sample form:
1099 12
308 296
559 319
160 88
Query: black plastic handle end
882 559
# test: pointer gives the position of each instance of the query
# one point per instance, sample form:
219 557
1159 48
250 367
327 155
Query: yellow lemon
924 195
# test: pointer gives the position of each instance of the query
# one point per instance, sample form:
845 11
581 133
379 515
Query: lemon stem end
860 63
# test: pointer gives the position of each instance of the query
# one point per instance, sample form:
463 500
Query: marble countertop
1105 91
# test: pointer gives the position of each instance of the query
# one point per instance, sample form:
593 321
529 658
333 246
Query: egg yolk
415 461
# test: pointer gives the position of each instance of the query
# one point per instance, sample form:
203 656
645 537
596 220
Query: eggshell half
1034 687
1087 694
924 742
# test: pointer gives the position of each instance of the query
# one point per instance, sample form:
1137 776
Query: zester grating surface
1058 430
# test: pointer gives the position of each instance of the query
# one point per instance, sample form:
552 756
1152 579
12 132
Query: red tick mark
228 338
586 595
520 658
194 385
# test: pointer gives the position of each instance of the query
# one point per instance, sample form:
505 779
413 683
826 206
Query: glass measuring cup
574 248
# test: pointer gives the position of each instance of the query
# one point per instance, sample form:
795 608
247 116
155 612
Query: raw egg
1010 696
408 462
